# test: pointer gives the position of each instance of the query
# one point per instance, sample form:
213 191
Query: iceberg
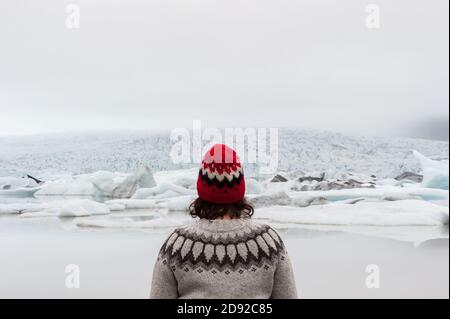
435 172
143 177
100 184
68 186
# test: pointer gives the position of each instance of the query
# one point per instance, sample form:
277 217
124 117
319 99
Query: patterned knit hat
221 178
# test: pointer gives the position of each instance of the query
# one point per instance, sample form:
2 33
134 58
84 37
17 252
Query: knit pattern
236 258
190 248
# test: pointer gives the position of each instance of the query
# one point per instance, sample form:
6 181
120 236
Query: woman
225 254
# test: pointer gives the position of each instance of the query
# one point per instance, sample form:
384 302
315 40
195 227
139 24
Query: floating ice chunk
412 234
283 199
163 190
12 182
397 213
435 172
274 188
68 186
134 203
175 203
67 208
278 179
389 182
179 203
20 208
410 176
101 183
265 200
116 207
384 192
142 178
48 213
441 202
19 192
82 207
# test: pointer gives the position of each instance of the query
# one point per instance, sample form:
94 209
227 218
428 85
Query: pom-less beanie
221 177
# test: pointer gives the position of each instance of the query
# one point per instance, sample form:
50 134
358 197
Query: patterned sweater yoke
223 259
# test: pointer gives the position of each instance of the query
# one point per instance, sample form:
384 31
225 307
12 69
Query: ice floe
20 192
101 183
61 208
20 208
395 213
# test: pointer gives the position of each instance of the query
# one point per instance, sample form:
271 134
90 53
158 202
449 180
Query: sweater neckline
221 225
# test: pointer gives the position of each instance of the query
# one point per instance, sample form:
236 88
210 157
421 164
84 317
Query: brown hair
207 210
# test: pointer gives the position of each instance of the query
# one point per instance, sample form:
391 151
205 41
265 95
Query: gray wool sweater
221 259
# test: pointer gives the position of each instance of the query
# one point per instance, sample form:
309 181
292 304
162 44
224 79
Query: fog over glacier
264 63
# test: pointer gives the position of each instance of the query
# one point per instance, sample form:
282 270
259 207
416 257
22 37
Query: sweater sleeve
284 281
164 283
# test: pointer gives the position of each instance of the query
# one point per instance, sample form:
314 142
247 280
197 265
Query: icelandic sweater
221 259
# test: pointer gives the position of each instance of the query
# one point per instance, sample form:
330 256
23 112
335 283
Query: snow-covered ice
132 203
395 213
21 207
382 193
142 178
61 208
163 190
304 151
20 192
435 172
100 183
82 207
12 182
71 185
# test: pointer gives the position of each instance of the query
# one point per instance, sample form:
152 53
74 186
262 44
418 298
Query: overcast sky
160 64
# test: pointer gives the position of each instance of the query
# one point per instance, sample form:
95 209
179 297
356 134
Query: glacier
325 180
303 151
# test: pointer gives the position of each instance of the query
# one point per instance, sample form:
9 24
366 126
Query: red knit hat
221 177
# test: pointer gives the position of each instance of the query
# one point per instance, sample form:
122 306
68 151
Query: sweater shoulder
211 245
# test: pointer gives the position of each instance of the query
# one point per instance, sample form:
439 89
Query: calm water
117 263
